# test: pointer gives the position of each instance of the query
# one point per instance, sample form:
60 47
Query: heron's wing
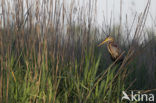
114 50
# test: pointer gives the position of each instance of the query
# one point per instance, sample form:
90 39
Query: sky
129 8
111 8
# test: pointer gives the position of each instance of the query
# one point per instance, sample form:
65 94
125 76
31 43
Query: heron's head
107 40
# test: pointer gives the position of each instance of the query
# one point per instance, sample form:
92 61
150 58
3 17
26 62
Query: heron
112 47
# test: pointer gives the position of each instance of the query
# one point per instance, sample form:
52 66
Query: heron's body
113 50
112 47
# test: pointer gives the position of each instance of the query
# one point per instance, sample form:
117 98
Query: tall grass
48 54
28 81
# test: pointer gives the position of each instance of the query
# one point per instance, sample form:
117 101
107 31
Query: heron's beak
106 40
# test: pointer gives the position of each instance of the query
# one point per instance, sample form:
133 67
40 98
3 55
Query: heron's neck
110 42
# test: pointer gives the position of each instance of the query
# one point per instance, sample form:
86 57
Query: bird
112 47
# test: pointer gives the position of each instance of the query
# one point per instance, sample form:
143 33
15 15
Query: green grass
25 80
50 55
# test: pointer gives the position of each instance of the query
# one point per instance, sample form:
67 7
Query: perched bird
113 49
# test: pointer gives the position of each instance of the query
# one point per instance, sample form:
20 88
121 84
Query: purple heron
113 49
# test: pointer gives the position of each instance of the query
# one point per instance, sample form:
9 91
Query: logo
137 96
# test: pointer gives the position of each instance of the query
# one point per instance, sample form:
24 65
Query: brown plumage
113 49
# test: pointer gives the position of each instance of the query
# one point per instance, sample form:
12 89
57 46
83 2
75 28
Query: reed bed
49 54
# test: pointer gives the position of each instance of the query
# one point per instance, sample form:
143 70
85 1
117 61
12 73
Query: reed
49 53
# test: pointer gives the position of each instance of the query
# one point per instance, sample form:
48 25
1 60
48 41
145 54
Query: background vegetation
49 53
